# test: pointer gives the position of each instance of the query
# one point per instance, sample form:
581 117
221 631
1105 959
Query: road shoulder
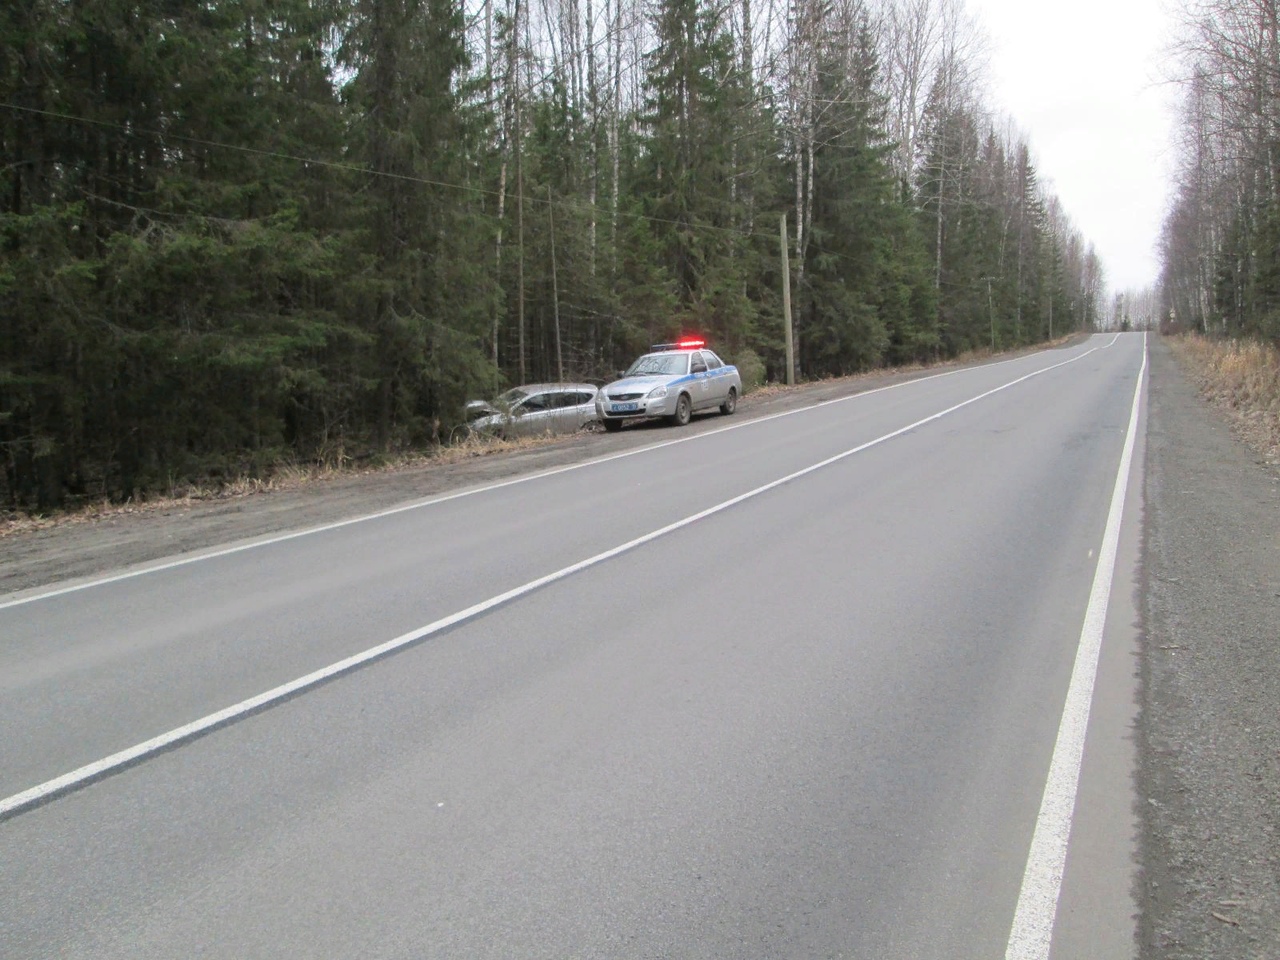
1209 727
1097 910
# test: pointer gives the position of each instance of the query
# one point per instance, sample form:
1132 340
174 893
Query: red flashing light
688 343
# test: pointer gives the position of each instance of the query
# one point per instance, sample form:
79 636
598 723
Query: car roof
542 387
677 351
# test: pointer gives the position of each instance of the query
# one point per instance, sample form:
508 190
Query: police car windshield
662 364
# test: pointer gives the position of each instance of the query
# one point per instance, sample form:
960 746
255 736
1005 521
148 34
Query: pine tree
423 283
865 295
686 178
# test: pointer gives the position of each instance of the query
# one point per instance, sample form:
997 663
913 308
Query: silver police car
673 380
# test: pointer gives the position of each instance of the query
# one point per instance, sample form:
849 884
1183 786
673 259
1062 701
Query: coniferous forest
236 233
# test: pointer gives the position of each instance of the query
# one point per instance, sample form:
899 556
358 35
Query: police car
672 380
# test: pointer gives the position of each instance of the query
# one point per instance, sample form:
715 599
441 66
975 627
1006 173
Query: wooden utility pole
991 309
555 288
520 244
786 305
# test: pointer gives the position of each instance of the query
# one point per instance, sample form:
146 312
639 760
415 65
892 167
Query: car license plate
625 407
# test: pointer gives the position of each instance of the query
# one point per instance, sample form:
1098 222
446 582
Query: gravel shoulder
1209 727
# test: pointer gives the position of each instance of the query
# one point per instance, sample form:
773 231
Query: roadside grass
1241 378
283 476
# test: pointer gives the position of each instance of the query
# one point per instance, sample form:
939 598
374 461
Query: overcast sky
1083 81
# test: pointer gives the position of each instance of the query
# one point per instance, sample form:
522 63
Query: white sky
1082 80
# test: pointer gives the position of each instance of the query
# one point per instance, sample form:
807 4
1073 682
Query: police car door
717 377
701 381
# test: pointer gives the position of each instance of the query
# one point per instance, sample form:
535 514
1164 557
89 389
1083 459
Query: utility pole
786 306
991 309
555 287
520 243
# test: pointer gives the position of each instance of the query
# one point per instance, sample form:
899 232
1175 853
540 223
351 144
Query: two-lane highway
787 688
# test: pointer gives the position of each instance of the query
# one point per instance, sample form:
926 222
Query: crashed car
534 410
673 380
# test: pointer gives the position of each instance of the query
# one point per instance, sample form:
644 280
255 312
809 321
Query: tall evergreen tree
695 103
422 285
865 296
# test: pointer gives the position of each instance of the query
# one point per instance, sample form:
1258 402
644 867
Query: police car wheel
684 410
730 402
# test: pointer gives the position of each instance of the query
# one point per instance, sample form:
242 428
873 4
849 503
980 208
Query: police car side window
713 362
696 363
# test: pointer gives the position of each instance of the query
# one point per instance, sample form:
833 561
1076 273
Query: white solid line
1032 931
281 538
20 802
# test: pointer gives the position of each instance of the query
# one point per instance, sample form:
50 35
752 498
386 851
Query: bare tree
1217 250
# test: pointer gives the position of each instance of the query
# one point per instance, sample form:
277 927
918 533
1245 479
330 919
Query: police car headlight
657 393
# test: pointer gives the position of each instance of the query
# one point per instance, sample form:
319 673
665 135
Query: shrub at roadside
750 369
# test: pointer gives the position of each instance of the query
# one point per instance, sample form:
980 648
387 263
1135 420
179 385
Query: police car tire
684 411
730 402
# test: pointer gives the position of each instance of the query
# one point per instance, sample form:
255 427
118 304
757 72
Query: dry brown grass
283 476
1242 378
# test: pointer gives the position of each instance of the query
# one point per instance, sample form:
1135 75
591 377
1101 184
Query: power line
367 171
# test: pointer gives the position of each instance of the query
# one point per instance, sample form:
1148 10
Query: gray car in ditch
534 410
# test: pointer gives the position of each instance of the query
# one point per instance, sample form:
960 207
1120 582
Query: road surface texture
1210 729
808 718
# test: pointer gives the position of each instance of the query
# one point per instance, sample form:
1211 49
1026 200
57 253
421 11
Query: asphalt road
816 721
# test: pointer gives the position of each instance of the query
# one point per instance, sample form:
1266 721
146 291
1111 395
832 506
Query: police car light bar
679 345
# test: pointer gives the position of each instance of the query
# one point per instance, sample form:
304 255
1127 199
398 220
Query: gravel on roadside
1209 725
